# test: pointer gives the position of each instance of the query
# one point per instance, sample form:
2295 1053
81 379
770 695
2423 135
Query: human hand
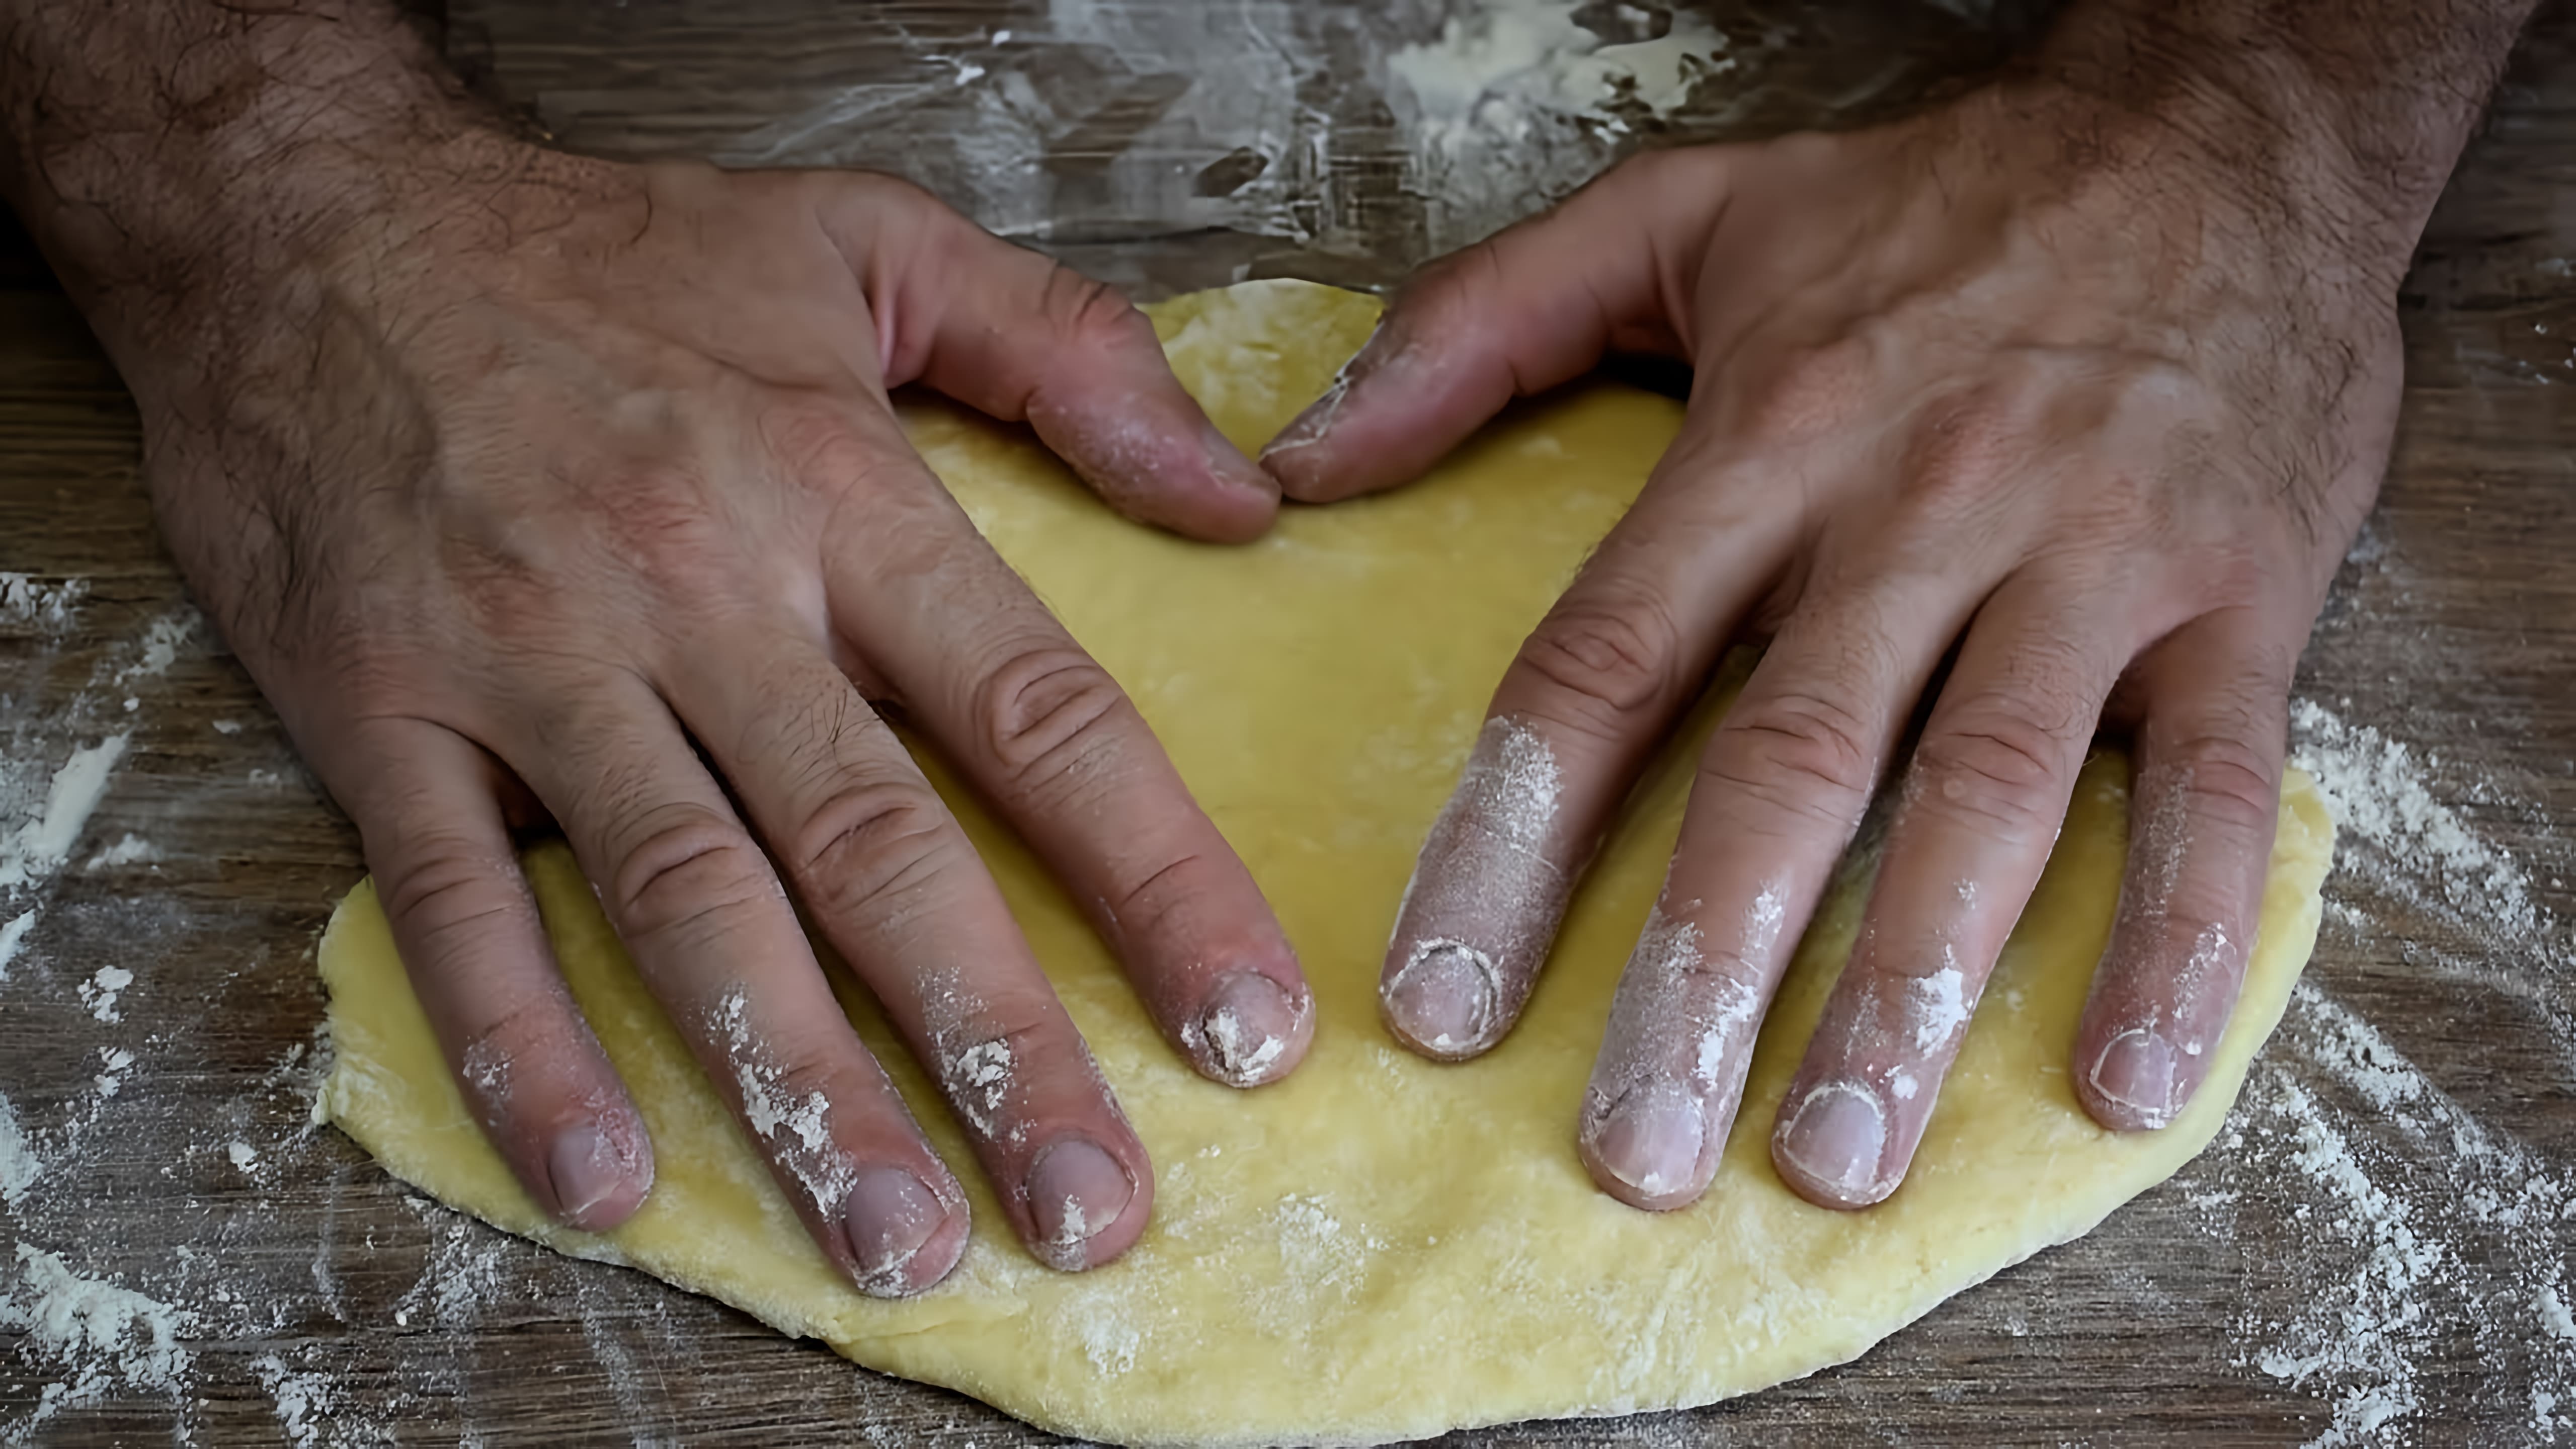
556 487
2033 378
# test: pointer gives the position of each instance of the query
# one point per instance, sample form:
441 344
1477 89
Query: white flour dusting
798 1130
2392 1246
19 1166
40 846
159 647
99 993
49 608
1516 103
305 1402
131 849
2393 828
1940 1003
97 1334
13 938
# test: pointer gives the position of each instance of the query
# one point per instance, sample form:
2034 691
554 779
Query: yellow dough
1378 1247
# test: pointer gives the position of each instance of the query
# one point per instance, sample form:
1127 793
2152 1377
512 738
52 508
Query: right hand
570 488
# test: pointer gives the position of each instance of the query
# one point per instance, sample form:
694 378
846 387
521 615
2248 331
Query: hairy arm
162 151
538 488
2358 110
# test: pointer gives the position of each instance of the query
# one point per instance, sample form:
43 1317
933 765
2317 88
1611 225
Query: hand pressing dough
1378 1247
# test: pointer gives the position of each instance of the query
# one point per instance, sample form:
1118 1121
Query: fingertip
2136 1081
1086 1206
1252 1029
1648 1148
1830 1146
905 1234
1442 1003
599 1170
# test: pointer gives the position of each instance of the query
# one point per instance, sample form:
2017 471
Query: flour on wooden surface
2397 1248
98 1335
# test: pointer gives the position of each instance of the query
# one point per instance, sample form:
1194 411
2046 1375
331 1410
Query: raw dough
1378 1247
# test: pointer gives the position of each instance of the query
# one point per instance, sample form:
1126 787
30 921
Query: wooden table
328 1306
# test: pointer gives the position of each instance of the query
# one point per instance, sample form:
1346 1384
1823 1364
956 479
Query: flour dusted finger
1981 805
891 878
696 904
2201 819
1582 708
527 1064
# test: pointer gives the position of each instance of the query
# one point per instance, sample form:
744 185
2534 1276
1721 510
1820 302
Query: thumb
1531 307
1026 339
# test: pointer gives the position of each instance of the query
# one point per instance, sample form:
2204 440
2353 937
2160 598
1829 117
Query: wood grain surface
327 1306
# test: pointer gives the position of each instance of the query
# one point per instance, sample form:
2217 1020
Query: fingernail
887 1217
1246 1025
586 1169
1076 1191
2137 1071
1836 1139
1309 427
1443 999
1651 1140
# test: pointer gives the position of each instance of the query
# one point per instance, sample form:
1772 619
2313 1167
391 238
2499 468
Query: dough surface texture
1378 1247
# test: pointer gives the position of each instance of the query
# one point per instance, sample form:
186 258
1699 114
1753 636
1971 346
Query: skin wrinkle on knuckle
1797 751
1044 715
1998 769
868 845
1610 659
685 868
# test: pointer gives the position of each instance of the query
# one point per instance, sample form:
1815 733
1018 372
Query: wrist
175 157
2341 122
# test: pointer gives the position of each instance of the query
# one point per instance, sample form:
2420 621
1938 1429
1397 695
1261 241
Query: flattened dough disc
1378 1247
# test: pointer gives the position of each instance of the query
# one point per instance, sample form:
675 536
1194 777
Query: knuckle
2000 767
1608 661
1094 314
687 866
1809 390
2226 779
867 843
1802 752
1956 463
1045 712
449 896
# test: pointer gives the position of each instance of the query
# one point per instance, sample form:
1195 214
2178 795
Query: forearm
160 149
2361 106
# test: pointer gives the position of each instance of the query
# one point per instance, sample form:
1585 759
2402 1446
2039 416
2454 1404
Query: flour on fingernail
1486 893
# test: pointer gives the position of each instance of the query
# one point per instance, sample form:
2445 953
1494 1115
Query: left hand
2032 378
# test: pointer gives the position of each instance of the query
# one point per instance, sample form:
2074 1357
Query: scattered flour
305 1401
48 608
130 850
99 993
1517 102
13 937
159 647
2393 1244
19 1166
97 1334
40 846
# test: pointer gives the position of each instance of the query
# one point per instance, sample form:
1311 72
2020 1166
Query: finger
896 885
468 932
1521 312
1022 337
1045 734
1983 798
713 937
2204 808
1783 784
1575 718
